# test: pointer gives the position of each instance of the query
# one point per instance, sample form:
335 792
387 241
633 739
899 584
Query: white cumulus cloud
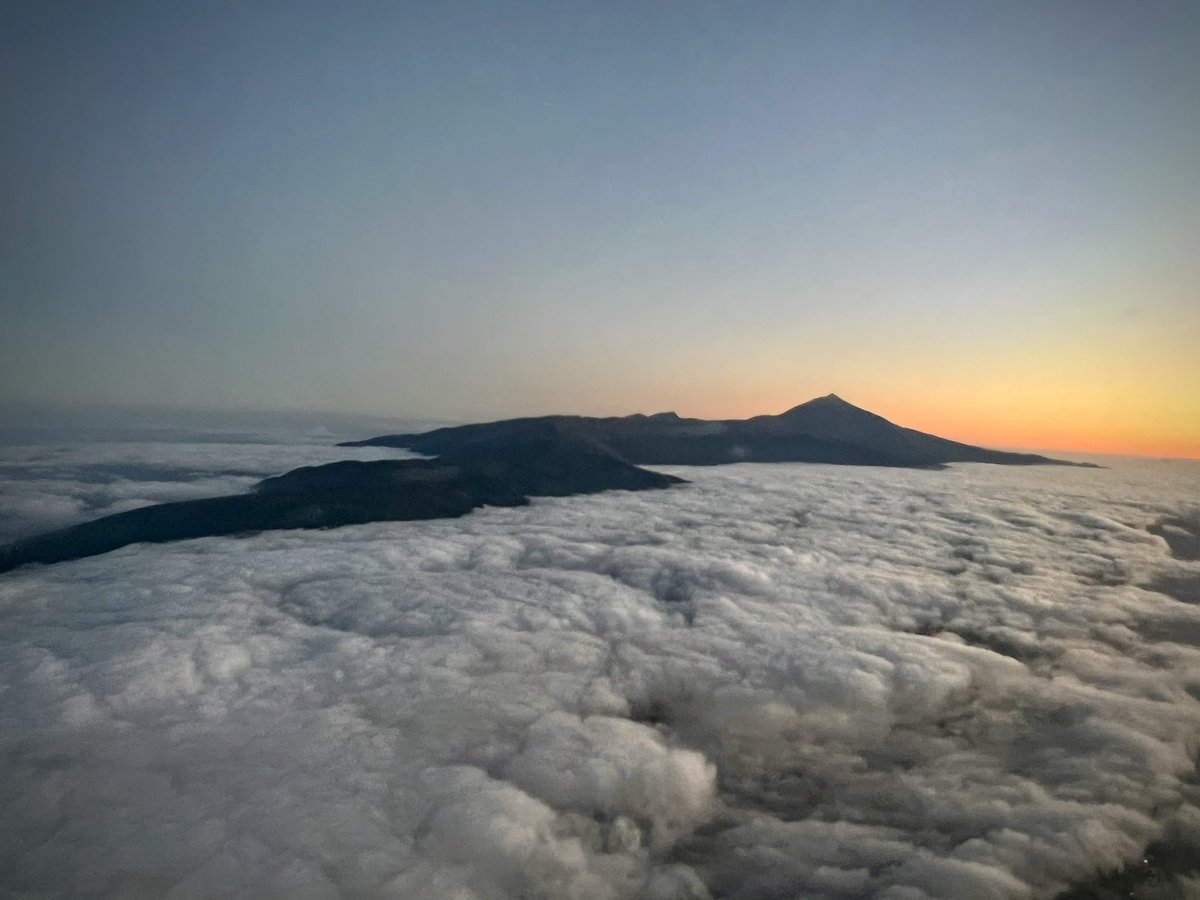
776 681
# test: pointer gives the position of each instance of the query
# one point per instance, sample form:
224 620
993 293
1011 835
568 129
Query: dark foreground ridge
825 430
505 463
353 493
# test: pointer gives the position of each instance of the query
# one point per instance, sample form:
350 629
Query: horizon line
439 421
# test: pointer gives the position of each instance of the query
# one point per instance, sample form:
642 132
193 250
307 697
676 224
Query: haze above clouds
841 682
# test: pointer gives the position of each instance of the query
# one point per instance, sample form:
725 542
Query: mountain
826 430
505 463
353 493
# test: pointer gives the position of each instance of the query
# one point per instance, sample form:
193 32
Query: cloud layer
48 486
776 681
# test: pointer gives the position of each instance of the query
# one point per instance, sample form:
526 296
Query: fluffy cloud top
776 681
43 487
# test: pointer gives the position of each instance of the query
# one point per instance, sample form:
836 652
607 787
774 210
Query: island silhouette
824 430
505 464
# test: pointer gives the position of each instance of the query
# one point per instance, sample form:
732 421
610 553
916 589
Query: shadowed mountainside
353 493
504 463
825 430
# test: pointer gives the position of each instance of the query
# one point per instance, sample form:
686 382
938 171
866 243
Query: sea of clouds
62 469
777 681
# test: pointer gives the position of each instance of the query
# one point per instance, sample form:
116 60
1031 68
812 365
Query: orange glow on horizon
1084 426
1094 382
1045 427
1061 440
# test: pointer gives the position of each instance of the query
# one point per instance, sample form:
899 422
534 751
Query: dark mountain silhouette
352 493
825 430
505 463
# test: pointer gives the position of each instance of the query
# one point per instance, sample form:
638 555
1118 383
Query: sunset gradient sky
981 220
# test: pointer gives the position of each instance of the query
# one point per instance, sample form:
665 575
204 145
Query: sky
974 219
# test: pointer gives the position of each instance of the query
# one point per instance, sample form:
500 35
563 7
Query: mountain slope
827 430
353 493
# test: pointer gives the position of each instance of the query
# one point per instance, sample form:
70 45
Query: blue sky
938 210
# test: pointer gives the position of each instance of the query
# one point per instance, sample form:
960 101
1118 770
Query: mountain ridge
355 492
504 463
826 429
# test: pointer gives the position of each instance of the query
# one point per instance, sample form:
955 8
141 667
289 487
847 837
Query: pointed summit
830 402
